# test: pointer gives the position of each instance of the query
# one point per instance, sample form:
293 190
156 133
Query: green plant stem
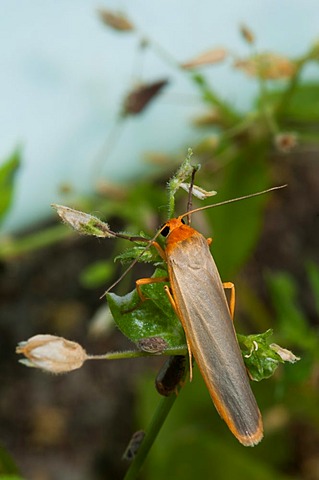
156 424
229 116
290 90
12 248
266 109
182 350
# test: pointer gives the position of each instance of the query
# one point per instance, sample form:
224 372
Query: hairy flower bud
52 354
83 223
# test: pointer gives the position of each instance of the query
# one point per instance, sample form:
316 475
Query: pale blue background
63 75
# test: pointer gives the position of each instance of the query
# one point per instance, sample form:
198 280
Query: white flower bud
52 354
198 191
284 354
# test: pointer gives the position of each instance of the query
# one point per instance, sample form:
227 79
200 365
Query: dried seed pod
117 21
210 57
247 34
136 101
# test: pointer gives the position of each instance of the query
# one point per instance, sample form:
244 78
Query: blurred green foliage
8 468
96 274
8 172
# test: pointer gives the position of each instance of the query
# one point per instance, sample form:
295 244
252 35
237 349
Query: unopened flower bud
197 191
115 20
215 55
247 34
52 354
83 223
286 142
284 354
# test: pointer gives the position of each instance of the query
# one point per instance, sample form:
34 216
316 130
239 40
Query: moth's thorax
178 232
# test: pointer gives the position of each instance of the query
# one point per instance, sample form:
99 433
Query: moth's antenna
232 200
150 243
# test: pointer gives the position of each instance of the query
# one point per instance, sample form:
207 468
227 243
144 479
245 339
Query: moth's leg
230 286
160 250
172 301
147 281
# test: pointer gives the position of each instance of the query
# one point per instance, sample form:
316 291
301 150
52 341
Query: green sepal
260 359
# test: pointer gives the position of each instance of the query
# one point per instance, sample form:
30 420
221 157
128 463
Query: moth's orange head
176 231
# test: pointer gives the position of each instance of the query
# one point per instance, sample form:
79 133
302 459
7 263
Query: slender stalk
137 353
290 90
13 247
229 116
155 426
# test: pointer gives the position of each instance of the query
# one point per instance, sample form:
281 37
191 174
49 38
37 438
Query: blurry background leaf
302 108
8 171
236 227
313 277
292 322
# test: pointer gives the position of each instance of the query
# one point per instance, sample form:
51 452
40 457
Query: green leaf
304 105
293 324
8 171
151 318
236 227
260 359
209 96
